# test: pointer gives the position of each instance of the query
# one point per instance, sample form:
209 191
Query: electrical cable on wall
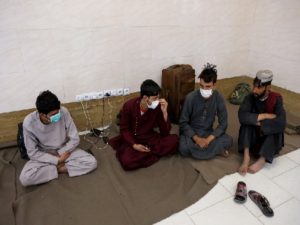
99 134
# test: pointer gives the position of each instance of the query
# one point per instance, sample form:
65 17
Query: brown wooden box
177 81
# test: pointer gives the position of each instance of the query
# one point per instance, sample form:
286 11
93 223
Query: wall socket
79 98
106 93
113 92
126 91
102 94
120 91
87 96
93 95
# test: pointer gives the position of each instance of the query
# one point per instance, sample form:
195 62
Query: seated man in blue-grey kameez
198 138
51 140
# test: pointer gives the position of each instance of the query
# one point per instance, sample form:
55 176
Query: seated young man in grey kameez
198 138
51 140
262 118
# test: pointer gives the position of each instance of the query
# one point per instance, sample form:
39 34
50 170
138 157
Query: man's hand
210 138
163 105
164 108
266 116
201 142
63 157
140 148
270 116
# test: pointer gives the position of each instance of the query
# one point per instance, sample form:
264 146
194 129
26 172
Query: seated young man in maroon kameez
138 144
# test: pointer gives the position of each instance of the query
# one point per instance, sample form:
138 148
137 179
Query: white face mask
206 93
153 105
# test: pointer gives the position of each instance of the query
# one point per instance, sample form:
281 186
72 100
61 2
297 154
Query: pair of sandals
260 200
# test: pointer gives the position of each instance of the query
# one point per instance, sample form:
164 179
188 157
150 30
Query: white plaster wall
275 41
75 46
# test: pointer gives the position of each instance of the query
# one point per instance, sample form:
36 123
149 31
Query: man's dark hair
257 83
47 102
209 73
149 88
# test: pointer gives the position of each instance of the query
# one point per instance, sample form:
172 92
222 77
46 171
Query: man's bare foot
61 168
258 165
243 168
224 153
246 161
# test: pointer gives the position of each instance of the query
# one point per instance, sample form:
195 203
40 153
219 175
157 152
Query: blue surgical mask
55 118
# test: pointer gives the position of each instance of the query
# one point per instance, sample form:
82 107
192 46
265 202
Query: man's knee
168 145
25 180
36 173
82 159
29 177
133 162
93 163
86 165
183 147
129 164
173 138
126 162
228 141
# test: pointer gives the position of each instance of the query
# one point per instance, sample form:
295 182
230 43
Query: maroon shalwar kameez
139 129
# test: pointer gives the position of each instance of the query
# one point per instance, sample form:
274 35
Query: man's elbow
76 141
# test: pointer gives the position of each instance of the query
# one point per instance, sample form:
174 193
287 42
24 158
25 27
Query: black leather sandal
241 192
262 203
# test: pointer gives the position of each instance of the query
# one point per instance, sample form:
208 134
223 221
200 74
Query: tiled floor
279 182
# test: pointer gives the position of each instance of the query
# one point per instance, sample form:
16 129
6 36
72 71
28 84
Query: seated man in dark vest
139 144
262 118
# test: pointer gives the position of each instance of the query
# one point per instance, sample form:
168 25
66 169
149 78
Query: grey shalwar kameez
197 117
265 140
45 143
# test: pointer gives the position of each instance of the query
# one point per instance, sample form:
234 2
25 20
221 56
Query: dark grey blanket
110 195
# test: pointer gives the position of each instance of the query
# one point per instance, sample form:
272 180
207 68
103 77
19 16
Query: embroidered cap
263 76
